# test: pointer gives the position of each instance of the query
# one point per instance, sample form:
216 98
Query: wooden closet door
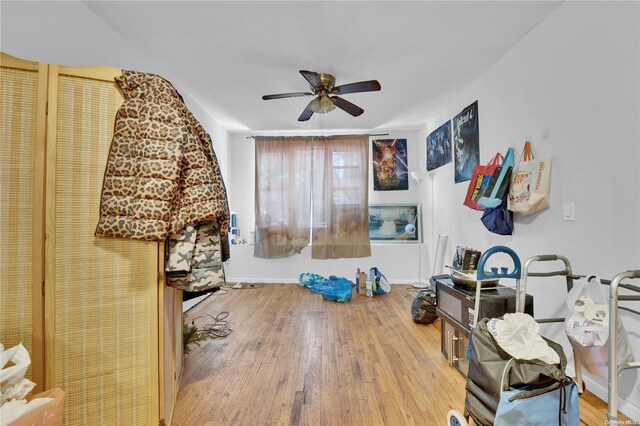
22 123
101 300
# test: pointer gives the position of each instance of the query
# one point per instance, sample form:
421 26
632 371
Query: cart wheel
455 418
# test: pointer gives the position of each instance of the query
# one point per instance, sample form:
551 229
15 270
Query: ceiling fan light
322 105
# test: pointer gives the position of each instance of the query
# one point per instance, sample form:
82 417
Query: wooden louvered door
101 301
94 313
22 145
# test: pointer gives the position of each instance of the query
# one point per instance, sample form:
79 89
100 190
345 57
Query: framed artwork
439 147
390 171
466 141
394 223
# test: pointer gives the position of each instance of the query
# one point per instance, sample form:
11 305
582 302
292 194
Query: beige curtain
283 195
340 197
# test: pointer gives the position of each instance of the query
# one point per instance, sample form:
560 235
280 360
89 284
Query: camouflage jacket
162 174
194 259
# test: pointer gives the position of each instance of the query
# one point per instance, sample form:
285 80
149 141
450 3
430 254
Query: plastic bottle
357 287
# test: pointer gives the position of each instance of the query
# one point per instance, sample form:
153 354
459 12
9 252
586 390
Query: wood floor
296 359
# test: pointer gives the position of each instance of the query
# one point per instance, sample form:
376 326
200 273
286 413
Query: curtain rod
373 134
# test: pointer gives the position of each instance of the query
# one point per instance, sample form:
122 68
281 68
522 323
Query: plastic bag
13 384
308 279
337 289
519 335
332 288
423 308
43 409
587 327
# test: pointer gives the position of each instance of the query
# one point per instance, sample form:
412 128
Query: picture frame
466 140
390 165
439 147
389 223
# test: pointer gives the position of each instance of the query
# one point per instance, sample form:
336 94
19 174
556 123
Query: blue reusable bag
498 220
499 185
557 407
379 283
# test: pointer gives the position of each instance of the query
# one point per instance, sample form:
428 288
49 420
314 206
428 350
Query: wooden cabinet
454 342
456 310
94 312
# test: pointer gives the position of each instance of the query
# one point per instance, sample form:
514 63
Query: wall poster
439 147
466 142
390 171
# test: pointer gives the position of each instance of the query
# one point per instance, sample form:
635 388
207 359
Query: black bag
423 308
499 220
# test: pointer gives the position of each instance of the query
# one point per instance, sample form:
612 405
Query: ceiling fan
324 88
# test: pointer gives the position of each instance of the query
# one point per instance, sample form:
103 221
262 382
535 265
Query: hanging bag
587 327
498 186
498 220
530 184
479 181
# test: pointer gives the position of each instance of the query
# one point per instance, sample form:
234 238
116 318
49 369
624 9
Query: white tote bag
530 184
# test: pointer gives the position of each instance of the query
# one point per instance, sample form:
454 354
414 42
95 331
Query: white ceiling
226 55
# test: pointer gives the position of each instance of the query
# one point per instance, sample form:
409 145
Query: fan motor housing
328 81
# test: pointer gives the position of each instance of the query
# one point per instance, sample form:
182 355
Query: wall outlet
545 134
568 211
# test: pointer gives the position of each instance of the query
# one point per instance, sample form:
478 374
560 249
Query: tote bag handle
496 160
527 153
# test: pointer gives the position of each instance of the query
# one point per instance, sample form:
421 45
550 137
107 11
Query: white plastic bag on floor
519 335
587 327
13 384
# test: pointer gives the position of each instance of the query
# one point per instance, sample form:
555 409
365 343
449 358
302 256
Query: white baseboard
186 305
233 280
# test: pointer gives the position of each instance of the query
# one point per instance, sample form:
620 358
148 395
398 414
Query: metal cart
521 290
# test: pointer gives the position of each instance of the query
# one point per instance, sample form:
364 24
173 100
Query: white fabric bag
530 189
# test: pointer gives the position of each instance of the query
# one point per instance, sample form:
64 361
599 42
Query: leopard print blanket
162 173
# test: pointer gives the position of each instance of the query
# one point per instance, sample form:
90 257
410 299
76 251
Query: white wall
577 76
78 37
399 262
219 136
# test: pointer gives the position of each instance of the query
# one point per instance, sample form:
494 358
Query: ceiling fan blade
307 113
313 78
347 106
361 86
286 95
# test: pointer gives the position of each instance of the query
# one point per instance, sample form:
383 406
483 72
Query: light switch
568 211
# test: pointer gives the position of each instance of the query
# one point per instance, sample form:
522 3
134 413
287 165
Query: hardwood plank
296 359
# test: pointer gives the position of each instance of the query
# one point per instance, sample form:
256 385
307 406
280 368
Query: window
312 186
